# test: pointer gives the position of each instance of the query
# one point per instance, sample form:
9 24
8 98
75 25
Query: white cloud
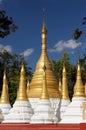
7 48
61 45
27 52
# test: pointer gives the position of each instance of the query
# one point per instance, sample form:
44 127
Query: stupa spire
44 34
44 94
4 95
79 90
21 94
64 92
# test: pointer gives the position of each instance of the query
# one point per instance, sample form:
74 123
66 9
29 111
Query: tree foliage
78 32
6 24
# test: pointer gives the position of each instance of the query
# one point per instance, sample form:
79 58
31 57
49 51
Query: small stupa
44 113
64 93
21 111
73 113
4 101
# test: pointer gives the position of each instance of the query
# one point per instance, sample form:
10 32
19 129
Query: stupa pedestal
5 108
63 106
1 116
73 113
20 113
33 102
43 113
54 102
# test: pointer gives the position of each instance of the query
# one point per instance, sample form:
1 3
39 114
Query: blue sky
62 17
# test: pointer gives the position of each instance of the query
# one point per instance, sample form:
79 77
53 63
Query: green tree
58 65
78 32
6 24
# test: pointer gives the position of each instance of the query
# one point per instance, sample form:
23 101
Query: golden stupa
79 89
21 92
64 92
4 95
37 80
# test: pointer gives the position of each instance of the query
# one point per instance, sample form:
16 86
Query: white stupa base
83 121
1 116
73 113
54 102
63 106
16 118
33 102
20 113
44 113
5 108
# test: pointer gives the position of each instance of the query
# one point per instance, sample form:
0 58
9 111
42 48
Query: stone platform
26 126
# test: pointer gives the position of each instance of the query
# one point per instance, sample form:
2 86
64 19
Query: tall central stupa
36 83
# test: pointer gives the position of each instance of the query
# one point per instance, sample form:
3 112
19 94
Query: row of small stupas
44 101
